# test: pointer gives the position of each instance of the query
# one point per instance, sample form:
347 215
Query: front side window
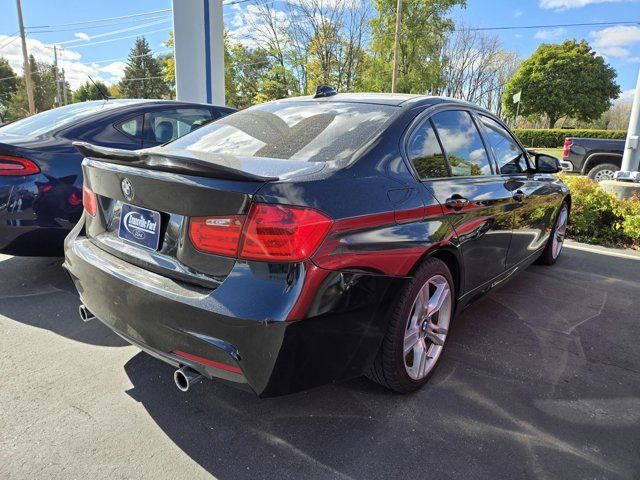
511 158
167 125
425 153
301 131
462 143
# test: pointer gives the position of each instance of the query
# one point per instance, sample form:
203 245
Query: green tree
8 85
89 91
567 79
44 91
143 75
168 64
424 26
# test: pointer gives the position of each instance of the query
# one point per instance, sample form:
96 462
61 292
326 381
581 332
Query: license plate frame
140 226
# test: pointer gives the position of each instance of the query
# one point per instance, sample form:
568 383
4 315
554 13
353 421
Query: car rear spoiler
167 163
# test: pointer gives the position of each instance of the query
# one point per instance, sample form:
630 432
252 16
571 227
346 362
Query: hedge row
554 138
599 217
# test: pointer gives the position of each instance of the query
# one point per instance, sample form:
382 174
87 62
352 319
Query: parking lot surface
541 379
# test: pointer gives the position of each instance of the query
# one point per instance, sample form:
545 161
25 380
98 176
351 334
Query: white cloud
550 34
616 41
626 96
568 4
82 36
76 72
517 13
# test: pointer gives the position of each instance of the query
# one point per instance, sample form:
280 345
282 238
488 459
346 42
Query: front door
534 194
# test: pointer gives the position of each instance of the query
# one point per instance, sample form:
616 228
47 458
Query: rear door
450 157
535 195
167 124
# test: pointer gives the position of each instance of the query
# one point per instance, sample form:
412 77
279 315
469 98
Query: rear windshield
50 120
301 131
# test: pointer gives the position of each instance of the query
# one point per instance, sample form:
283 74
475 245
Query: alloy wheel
604 175
560 231
427 327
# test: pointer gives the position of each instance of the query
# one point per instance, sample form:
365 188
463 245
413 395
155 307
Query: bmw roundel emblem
127 189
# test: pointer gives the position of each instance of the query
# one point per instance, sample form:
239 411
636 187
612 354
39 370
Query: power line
140 34
124 58
113 32
8 38
140 78
99 26
102 19
558 25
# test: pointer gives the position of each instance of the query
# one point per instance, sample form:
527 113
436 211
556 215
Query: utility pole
55 70
64 88
396 48
27 67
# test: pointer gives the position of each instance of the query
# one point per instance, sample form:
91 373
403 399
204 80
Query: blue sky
103 55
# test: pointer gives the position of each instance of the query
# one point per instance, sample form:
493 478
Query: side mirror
547 163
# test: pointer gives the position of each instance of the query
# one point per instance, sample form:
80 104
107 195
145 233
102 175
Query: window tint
167 125
132 127
511 158
462 143
425 153
302 131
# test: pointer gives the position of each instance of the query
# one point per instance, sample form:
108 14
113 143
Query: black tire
599 171
388 368
547 256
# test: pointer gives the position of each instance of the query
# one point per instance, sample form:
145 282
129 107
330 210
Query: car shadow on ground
37 291
540 379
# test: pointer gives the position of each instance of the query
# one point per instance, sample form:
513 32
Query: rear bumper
33 222
567 166
241 328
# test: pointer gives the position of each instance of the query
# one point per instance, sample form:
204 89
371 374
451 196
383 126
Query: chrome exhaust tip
85 314
185 377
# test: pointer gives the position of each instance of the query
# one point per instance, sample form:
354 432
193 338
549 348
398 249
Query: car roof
143 101
394 99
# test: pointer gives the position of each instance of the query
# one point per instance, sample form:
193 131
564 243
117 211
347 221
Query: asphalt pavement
541 379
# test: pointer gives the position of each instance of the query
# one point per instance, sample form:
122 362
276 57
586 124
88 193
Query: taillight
268 232
219 235
90 201
277 232
567 148
17 166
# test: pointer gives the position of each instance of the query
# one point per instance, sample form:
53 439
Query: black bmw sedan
313 239
40 172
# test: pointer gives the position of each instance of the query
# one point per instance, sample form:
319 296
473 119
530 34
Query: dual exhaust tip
184 377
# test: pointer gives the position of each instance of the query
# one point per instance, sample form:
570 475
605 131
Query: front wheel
417 331
554 245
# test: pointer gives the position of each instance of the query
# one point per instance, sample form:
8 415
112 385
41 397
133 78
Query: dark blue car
40 173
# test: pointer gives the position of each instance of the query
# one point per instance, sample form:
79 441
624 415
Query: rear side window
462 143
425 153
511 158
166 125
132 126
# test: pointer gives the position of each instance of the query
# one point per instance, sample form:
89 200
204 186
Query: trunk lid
164 188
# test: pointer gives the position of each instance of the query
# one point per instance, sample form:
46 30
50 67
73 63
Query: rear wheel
601 172
417 333
554 245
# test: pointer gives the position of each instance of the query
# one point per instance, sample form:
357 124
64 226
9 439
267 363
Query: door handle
519 196
456 202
